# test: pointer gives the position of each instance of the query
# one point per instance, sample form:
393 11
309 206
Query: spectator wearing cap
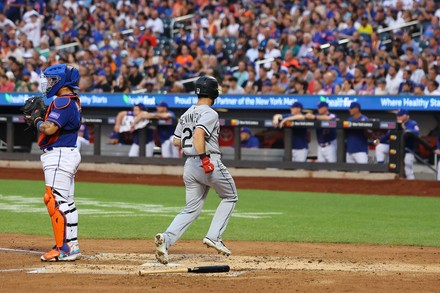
234 88
248 140
23 84
381 87
101 84
283 81
32 29
267 87
393 81
299 135
356 139
416 72
327 145
383 148
369 86
419 90
304 71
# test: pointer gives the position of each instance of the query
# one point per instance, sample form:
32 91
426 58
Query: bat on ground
195 270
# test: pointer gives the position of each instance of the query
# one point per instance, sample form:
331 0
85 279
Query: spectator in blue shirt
356 139
247 139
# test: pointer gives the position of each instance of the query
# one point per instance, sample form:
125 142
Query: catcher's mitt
34 109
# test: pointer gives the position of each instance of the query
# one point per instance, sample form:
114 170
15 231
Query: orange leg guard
57 216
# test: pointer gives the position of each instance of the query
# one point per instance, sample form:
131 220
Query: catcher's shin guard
57 216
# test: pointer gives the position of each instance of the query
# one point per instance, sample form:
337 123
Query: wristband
202 156
38 124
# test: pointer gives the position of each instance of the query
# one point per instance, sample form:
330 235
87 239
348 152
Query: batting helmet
56 77
207 86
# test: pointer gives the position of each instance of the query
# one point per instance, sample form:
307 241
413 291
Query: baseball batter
197 133
60 159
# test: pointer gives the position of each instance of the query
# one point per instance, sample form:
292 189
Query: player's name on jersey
360 124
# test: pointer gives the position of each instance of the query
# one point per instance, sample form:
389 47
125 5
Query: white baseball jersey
198 117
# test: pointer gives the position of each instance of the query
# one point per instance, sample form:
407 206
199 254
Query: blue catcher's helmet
56 77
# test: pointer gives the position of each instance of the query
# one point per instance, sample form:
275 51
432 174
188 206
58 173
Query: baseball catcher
34 110
58 127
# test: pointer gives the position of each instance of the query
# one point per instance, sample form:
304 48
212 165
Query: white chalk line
21 250
18 270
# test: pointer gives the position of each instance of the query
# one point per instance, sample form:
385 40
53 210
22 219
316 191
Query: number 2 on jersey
186 137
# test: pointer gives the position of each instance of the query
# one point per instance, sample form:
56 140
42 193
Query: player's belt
46 150
215 155
323 145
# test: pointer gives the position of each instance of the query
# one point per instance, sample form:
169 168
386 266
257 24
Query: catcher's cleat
57 254
217 245
161 249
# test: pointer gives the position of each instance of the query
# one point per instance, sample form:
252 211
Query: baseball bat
195 270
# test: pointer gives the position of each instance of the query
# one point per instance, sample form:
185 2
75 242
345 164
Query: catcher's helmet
56 77
207 86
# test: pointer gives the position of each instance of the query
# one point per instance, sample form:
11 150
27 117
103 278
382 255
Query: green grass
139 211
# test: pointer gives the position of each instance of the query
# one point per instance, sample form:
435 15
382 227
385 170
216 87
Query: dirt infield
112 265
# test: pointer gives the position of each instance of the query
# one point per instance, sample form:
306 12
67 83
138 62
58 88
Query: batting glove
208 167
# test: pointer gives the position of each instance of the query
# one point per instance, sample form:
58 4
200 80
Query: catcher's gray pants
197 185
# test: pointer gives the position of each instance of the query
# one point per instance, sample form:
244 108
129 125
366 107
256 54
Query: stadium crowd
314 47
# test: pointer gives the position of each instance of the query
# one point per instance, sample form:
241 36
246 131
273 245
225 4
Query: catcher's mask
56 77
207 86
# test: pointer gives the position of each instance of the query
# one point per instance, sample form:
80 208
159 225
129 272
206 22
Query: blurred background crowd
252 47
